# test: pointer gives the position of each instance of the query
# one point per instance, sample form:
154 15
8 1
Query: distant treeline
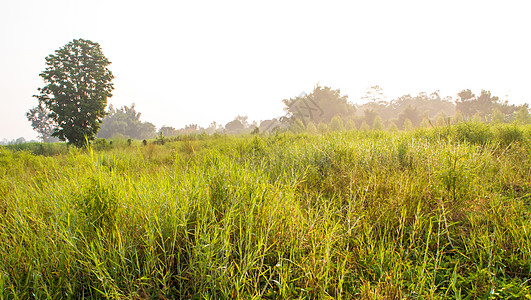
325 109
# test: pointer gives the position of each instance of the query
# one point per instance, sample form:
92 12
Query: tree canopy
483 105
41 122
321 105
125 122
77 85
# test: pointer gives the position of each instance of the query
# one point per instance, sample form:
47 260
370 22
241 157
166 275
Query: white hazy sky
186 62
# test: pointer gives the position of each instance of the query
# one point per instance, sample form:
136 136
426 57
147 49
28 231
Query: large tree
78 84
320 106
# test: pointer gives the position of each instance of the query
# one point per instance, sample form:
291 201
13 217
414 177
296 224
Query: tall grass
434 213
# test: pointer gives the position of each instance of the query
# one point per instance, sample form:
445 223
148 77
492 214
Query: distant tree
310 128
440 120
168 131
377 124
408 125
465 95
466 104
483 105
125 122
458 117
364 126
486 103
320 106
322 127
78 84
240 125
297 126
392 127
497 116
234 127
522 116
41 122
410 113
270 125
369 116
243 120
192 129
336 124
20 140
477 118
425 123
428 105
350 125
214 128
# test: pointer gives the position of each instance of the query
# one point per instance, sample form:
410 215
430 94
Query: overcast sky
202 61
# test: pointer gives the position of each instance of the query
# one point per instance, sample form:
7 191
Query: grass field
427 214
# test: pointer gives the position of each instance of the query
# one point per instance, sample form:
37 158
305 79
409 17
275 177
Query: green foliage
125 122
404 158
408 126
41 122
46 149
310 128
442 121
507 134
168 131
410 114
469 104
497 117
472 132
369 115
408 106
455 176
101 144
98 203
161 139
336 124
350 125
377 124
522 115
457 118
78 84
322 127
477 118
364 126
392 127
431 213
425 123
297 126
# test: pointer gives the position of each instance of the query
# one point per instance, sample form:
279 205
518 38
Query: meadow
431 213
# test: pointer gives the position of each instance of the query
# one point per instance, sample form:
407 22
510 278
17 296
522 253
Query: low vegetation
431 213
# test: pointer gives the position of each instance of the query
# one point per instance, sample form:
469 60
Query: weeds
431 214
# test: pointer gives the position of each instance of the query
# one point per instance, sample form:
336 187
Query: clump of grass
98 203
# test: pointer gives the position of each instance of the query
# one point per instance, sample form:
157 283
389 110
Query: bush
101 144
507 134
472 132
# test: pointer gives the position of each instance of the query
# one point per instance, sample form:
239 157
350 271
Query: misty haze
276 150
